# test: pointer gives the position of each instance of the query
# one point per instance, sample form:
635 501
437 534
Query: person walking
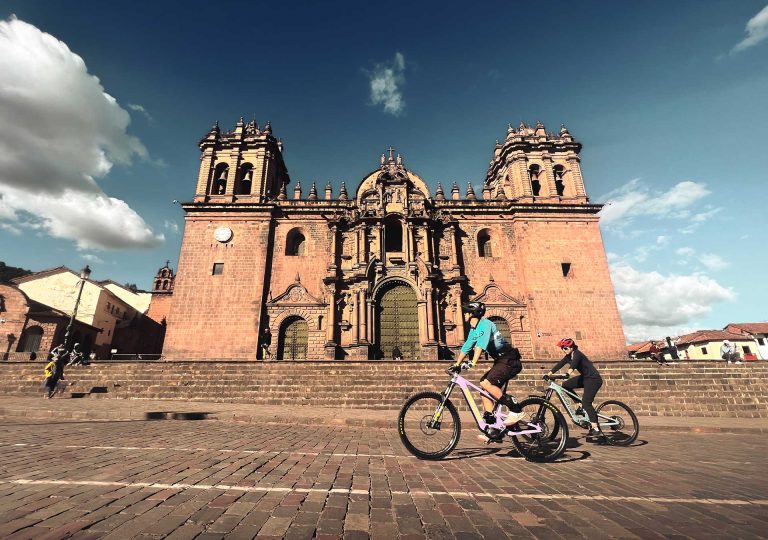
50 381
54 370
266 341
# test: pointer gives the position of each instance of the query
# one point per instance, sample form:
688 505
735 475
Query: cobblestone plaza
215 479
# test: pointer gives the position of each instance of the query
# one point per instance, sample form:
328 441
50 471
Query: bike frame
482 425
603 420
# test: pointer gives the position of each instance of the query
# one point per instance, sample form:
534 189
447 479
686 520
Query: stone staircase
684 389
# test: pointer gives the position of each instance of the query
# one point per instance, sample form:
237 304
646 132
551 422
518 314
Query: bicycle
429 433
616 420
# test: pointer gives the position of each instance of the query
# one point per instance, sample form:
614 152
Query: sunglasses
565 348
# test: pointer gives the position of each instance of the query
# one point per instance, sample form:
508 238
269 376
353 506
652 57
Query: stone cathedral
384 266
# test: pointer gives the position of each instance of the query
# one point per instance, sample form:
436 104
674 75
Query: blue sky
668 99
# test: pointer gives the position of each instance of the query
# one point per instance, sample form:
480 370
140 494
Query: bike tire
420 408
546 447
623 435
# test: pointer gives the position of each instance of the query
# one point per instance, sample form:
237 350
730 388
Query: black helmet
476 309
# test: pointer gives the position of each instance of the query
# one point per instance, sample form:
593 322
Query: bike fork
438 413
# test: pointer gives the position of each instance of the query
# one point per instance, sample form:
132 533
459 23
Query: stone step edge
303 419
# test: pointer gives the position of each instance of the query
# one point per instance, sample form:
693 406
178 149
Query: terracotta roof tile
752 328
701 336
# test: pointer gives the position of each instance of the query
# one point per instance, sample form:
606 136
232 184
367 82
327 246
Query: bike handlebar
554 377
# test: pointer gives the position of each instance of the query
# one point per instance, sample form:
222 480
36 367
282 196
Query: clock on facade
223 234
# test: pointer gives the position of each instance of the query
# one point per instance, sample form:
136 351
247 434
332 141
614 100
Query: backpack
498 345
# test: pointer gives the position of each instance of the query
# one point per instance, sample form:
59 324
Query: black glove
454 369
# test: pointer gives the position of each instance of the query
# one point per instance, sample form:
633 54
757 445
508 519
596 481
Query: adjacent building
29 329
111 319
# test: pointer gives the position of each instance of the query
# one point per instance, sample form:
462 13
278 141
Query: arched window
393 236
295 244
246 180
220 174
535 172
30 339
484 244
559 172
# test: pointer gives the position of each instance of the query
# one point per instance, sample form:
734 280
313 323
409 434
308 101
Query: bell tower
243 165
533 166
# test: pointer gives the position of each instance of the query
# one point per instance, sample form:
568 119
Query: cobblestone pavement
213 479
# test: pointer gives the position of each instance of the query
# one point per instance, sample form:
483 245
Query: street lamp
84 275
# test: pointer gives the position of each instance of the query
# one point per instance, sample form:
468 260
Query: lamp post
84 275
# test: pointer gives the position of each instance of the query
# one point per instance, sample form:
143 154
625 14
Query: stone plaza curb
106 410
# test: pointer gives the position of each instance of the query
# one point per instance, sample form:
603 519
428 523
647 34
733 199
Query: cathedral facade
383 268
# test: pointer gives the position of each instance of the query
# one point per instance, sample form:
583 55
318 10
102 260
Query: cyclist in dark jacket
589 379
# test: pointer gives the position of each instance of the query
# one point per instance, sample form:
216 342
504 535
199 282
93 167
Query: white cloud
140 108
66 132
653 305
11 229
713 261
91 258
685 251
635 201
757 31
171 226
386 83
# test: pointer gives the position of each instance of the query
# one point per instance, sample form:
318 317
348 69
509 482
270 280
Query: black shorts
501 372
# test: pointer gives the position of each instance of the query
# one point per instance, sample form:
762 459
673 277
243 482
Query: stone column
423 323
331 326
363 314
234 163
459 318
334 241
454 245
204 177
370 321
410 243
521 165
430 318
573 174
549 175
357 245
427 243
355 318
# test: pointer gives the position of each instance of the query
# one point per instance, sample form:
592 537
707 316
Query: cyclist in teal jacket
506 361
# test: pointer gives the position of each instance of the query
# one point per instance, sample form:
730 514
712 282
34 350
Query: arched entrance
397 322
292 342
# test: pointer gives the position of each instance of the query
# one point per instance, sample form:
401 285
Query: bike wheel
618 423
421 436
550 443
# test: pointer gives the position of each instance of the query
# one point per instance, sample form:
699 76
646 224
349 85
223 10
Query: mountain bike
430 427
617 421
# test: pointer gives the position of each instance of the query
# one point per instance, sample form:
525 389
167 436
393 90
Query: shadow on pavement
170 415
465 453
